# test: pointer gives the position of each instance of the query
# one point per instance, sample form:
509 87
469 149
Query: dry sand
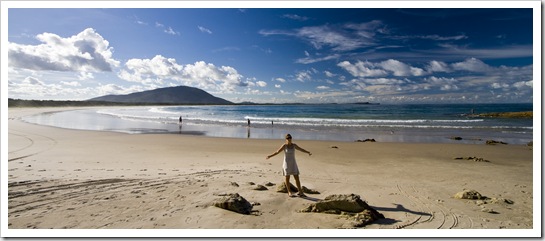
72 179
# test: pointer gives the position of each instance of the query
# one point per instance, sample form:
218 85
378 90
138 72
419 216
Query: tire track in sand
32 148
439 217
38 198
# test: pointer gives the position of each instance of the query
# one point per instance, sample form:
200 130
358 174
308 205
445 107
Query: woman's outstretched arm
276 153
301 149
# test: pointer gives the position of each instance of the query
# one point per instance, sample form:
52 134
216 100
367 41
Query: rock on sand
234 202
358 212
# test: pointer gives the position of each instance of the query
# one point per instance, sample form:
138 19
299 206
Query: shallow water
350 122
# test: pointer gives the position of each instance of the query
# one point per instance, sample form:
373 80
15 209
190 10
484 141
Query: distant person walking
248 122
289 167
180 120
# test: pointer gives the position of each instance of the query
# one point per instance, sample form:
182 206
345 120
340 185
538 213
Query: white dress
289 167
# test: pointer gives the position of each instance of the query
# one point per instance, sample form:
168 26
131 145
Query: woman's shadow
397 208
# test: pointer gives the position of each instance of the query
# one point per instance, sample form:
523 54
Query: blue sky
275 55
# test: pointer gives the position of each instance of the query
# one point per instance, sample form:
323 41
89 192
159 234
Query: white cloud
261 83
383 81
444 38
200 74
168 30
325 96
322 87
401 69
329 74
71 83
303 76
472 64
33 88
499 85
339 37
281 80
310 60
204 30
147 71
85 76
362 69
325 36
141 22
449 87
171 31
438 66
32 81
523 84
87 51
109 89
295 17
278 86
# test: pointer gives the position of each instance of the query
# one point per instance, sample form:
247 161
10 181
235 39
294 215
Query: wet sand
161 183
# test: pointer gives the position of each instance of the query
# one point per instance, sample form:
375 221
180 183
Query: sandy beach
72 179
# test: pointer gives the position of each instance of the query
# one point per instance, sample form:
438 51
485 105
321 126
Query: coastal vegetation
520 114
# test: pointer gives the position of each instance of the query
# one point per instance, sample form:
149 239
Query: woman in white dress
289 167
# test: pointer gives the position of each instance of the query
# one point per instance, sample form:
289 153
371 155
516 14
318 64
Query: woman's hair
288 136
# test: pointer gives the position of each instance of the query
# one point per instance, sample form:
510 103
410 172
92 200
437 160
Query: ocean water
335 122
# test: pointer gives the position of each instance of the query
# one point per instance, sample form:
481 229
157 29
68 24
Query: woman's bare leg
298 183
287 181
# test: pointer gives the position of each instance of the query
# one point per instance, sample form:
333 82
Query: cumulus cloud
400 69
33 87
71 83
87 51
329 74
322 87
523 84
362 69
472 64
383 81
392 67
200 74
303 76
85 76
499 85
391 78
32 81
438 66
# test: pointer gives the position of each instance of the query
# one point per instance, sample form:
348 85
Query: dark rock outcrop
493 142
472 158
282 188
234 202
469 194
260 188
358 212
367 140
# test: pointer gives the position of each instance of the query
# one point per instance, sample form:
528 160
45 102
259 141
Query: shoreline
83 119
114 180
